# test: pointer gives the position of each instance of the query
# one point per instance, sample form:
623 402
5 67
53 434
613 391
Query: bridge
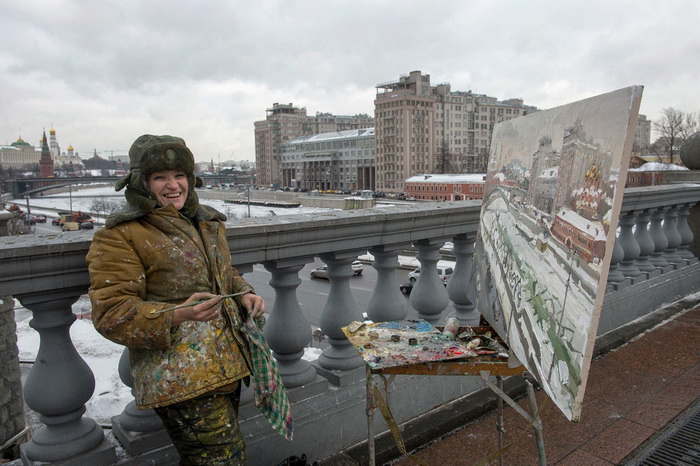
22 187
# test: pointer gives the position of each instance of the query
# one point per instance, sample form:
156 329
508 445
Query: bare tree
691 124
670 127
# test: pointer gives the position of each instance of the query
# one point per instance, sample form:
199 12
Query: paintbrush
194 303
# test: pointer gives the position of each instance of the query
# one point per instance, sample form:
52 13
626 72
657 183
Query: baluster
387 302
58 386
629 246
656 231
463 248
614 274
138 430
645 242
287 331
673 236
339 311
429 296
686 233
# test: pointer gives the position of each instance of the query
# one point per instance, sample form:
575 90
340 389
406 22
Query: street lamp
247 189
26 196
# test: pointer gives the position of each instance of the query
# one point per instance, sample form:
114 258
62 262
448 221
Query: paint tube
451 327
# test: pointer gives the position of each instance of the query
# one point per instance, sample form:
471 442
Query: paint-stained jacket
156 262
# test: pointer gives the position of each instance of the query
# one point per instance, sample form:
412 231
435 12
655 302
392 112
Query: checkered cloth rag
270 394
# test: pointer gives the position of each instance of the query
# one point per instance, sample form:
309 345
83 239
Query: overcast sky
104 72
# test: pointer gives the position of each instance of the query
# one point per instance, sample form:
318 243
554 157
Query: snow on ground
110 395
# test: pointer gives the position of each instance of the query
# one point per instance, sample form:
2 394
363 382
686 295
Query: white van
444 272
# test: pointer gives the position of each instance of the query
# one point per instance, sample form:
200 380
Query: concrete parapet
12 423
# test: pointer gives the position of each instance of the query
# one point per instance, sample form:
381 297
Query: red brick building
446 187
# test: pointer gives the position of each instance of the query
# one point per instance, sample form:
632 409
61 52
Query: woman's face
169 187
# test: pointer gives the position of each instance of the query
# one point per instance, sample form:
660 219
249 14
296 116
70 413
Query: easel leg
371 407
538 424
499 418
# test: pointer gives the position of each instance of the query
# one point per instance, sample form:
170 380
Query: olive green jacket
155 262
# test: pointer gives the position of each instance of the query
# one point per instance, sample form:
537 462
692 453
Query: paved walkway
632 393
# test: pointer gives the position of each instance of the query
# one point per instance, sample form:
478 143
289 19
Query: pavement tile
582 458
631 394
618 440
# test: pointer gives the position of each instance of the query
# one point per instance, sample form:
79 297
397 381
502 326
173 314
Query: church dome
70 149
20 143
52 131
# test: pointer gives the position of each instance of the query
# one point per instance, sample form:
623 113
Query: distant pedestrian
159 274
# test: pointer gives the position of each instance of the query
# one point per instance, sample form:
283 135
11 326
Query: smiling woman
162 284
169 187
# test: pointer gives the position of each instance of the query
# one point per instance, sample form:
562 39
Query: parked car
56 221
357 267
322 271
407 287
86 225
41 218
443 272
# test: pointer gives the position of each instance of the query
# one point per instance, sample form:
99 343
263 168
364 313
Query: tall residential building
336 161
642 136
284 122
422 128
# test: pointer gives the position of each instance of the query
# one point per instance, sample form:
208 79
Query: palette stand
483 369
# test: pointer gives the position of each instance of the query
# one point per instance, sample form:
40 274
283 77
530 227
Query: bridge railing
48 274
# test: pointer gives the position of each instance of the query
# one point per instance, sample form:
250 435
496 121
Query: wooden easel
483 367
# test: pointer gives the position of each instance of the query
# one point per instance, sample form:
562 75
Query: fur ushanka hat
150 154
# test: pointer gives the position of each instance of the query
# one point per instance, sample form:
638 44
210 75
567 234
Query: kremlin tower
46 162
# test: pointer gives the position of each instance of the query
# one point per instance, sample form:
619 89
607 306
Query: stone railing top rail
649 197
46 263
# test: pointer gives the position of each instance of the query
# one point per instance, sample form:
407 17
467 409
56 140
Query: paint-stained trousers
205 429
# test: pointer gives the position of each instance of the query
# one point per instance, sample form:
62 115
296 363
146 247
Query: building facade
20 155
337 161
642 136
284 122
421 128
460 187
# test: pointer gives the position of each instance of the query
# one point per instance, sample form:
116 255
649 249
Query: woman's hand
202 312
254 304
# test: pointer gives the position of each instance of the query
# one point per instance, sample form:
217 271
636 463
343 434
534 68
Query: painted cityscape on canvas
554 188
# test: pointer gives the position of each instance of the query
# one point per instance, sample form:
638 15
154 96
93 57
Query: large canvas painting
553 192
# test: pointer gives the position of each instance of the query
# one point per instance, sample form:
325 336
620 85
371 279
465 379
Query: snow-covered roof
351 133
658 167
448 178
594 229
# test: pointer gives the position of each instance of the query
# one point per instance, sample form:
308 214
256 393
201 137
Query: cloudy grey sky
105 72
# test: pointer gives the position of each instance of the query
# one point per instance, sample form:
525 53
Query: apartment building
336 161
284 122
642 136
421 128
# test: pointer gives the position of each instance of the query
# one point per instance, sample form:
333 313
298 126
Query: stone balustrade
48 274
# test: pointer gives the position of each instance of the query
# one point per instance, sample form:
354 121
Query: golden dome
70 149
52 131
